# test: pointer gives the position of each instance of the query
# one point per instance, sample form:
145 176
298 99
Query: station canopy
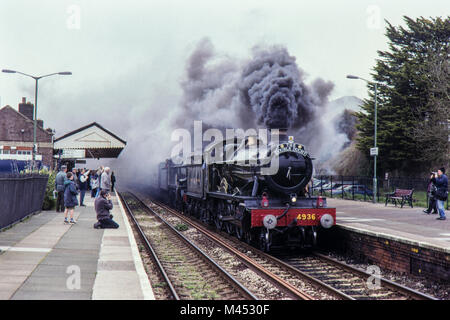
91 141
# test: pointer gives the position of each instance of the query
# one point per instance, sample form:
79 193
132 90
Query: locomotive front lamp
293 198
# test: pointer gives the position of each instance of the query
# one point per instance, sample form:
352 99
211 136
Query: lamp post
36 78
375 136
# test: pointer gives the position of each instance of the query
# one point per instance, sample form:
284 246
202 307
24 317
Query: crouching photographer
441 182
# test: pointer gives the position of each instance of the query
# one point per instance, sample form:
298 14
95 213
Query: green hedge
49 201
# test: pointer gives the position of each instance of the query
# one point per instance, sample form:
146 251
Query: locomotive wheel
239 233
247 237
264 240
218 223
313 237
204 215
229 228
220 211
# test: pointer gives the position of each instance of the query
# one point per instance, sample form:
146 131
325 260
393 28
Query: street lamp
375 136
63 73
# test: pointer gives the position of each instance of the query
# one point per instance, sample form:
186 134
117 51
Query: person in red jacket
103 205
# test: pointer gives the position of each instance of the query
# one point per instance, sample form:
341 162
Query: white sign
374 151
73 154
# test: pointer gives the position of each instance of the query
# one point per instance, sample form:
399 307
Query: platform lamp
63 73
375 84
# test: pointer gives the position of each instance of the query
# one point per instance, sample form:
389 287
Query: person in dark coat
83 185
431 190
59 187
113 181
441 182
103 205
94 184
70 197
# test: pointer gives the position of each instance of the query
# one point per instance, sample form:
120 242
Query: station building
16 135
92 141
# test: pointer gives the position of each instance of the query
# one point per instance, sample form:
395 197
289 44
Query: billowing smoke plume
268 90
272 84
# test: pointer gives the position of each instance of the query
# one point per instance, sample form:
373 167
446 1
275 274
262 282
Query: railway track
189 273
324 273
296 284
350 280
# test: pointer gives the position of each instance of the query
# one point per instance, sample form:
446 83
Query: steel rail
224 273
250 262
408 292
150 248
413 294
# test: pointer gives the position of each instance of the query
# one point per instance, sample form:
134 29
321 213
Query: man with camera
441 182
103 205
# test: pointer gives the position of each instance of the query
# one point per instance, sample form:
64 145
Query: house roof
8 107
87 127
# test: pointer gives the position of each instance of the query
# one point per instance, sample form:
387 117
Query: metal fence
20 196
361 188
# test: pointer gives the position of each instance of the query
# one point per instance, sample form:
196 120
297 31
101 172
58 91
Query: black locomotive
254 190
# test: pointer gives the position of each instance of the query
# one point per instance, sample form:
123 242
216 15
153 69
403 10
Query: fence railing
361 188
20 196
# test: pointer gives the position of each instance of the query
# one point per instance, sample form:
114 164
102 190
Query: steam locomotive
254 190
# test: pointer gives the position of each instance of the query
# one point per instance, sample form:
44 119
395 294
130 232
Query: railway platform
405 240
43 258
410 225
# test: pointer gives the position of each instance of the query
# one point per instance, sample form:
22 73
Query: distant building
16 135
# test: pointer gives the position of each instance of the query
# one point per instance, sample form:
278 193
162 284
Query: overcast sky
129 56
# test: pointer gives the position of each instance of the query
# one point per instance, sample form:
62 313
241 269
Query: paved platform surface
406 224
43 258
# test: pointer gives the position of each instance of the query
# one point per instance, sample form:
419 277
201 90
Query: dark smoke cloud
267 90
272 85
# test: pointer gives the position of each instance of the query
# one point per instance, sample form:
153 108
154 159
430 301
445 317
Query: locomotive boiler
254 190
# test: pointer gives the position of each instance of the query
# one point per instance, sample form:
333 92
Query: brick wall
389 254
17 130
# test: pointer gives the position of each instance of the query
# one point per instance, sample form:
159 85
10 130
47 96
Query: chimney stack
26 108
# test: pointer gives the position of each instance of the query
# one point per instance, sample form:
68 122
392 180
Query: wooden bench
400 195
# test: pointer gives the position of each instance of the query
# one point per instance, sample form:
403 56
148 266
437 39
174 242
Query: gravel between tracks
260 287
421 284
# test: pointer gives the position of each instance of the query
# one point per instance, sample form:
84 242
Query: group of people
437 193
69 184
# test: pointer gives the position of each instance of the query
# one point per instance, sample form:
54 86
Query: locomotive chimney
282 134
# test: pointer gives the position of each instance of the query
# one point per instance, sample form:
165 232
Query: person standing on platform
75 177
83 185
113 181
99 173
59 187
441 182
431 190
70 197
105 180
102 206
94 184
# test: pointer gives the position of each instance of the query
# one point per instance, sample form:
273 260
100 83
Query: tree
432 134
406 95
